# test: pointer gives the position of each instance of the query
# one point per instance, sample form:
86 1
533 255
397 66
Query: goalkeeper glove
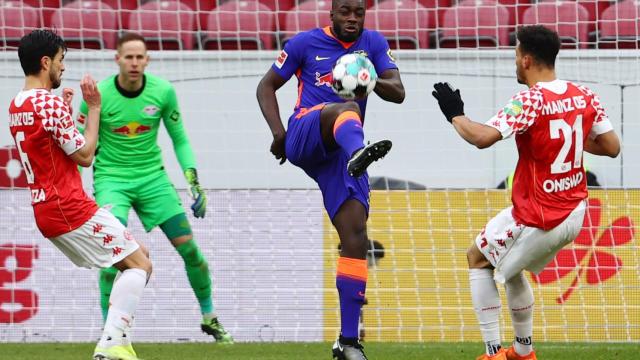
450 102
198 195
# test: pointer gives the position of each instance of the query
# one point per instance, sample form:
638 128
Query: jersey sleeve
291 57
601 123
519 114
381 55
173 122
57 121
81 119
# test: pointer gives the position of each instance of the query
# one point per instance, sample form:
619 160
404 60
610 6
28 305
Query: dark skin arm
389 86
266 94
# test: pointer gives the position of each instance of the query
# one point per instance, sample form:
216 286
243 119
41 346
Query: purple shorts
305 149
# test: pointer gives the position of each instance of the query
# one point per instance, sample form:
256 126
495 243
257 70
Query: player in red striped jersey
50 149
553 121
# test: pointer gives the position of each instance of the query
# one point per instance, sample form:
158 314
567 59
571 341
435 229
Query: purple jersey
311 56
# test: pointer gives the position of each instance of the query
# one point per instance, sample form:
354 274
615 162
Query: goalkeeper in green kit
128 169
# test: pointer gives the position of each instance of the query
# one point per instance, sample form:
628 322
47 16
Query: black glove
450 102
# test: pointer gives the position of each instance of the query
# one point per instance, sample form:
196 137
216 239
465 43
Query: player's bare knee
475 259
354 249
350 106
355 244
144 264
144 249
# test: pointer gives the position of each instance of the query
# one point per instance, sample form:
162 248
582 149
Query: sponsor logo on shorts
117 250
107 239
97 228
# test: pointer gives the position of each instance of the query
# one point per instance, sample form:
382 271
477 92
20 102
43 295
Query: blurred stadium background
271 248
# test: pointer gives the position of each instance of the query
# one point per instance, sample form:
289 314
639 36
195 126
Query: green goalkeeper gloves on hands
198 195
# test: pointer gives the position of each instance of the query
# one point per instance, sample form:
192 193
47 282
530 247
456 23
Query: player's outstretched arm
452 106
91 95
607 144
266 94
389 86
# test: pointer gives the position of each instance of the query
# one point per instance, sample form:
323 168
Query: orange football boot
501 355
513 355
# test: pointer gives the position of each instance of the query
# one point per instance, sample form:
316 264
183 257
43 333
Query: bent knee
350 106
144 249
476 259
147 266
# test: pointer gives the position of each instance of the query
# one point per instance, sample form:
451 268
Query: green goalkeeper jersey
129 122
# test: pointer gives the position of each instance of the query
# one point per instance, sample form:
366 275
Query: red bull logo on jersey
132 129
325 79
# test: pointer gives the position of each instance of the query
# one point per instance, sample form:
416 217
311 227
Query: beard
56 81
351 37
520 77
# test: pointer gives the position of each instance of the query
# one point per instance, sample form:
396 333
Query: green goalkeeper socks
198 274
107 277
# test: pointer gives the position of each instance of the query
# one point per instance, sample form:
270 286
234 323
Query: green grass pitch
315 351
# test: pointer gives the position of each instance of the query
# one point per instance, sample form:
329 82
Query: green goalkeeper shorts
153 198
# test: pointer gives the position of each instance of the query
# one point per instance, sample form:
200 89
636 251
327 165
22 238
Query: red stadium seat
202 8
594 8
403 22
280 8
475 24
619 27
16 20
45 9
516 9
436 10
166 25
123 4
123 9
306 16
86 24
246 25
568 18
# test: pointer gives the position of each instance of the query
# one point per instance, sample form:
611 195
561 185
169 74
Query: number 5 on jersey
24 159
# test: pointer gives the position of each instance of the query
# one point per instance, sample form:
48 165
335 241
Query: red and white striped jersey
45 135
551 122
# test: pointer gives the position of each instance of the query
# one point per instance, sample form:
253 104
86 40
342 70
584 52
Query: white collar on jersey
24 95
557 86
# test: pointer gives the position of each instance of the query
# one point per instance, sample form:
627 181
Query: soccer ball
354 76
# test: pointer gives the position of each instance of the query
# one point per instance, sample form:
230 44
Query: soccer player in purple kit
324 137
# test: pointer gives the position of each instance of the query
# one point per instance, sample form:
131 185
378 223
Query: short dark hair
37 44
540 42
336 3
130 36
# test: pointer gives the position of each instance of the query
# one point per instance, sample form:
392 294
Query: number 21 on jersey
558 128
